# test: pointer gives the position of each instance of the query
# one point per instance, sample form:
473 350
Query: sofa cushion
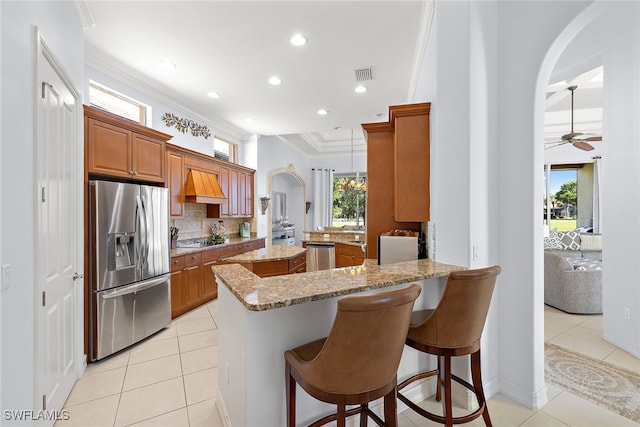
553 241
591 242
569 240
581 264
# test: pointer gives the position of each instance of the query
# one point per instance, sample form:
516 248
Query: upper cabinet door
175 182
109 149
121 148
148 158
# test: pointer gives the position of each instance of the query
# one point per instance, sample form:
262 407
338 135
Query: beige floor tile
198 340
150 401
195 314
168 332
540 419
624 360
585 341
91 387
177 418
96 413
577 412
154 350
553 392
204 414
153 371
405 421
594 322
505 412
554 329
119 360
193 326
201 385
200 359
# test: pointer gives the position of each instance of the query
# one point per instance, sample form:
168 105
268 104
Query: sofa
572 244
573 284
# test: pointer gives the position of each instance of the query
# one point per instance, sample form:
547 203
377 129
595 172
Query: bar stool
454 328
358 361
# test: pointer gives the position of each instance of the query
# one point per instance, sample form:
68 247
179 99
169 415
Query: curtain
596 195
322 198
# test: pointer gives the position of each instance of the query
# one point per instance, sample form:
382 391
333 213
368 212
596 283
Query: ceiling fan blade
582 145
593 138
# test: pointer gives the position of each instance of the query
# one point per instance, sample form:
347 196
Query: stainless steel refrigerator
129 265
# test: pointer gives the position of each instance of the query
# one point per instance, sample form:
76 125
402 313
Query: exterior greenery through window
561 198
108 99
349 200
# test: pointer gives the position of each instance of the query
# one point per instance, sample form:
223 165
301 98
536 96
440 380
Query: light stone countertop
270 253
260 294
233 240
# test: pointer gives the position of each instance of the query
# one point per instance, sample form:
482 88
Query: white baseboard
222 409
530 400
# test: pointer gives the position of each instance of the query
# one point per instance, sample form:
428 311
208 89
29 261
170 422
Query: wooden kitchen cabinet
193 282
398 172
118 147
348 255
236 182
297 264
186 283
210 258
176 182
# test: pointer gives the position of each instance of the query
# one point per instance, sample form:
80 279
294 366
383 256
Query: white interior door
58 229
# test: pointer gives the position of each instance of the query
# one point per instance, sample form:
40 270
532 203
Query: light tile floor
170 380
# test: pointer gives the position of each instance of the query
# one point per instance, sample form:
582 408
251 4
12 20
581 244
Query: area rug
611 387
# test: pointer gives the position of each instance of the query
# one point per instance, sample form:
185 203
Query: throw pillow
553 241
570 241
591 242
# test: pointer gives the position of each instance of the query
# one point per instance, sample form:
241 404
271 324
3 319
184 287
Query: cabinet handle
131 173
135 173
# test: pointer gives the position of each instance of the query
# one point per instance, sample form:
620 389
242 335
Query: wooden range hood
203 187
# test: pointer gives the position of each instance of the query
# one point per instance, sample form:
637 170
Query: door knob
77 276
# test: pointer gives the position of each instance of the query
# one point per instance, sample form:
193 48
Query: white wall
59 24
487 89
160 105
621 176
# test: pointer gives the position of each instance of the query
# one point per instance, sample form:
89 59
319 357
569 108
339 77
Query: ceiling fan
577 139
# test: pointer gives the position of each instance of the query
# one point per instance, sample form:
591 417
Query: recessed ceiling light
213 94
381 115
298 40
360 89
323 112
337 128
275 81
167 65
250 119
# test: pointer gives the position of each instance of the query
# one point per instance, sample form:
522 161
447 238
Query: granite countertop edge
262 294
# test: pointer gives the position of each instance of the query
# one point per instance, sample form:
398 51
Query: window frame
144 109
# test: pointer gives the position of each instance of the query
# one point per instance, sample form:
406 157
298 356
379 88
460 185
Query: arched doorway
288 182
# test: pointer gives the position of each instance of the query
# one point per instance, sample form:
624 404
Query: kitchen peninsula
260 318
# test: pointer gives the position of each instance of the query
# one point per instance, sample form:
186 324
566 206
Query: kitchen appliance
283 236
397 248
245 229
321 256
129 265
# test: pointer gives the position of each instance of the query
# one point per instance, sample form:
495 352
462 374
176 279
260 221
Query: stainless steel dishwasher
321 256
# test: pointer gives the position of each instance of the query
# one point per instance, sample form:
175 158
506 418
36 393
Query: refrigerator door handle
142 222
136 287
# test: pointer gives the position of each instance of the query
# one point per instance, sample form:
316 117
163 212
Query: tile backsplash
196 225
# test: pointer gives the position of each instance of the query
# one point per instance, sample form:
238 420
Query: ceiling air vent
364 74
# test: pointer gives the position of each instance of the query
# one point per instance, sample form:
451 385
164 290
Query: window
561 197
225 150
349 200
117 103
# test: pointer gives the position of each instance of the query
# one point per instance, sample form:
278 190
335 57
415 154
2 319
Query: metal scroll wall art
184 125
